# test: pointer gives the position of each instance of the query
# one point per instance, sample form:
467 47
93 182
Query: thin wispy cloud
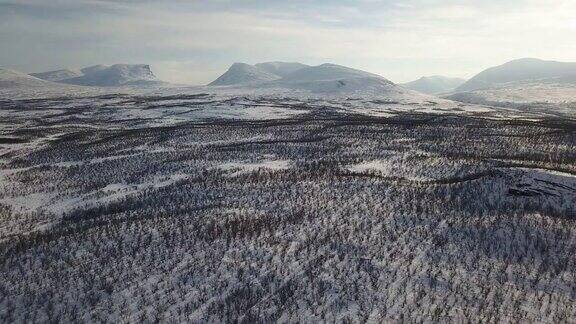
194 41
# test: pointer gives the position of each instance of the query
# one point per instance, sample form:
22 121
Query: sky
193 42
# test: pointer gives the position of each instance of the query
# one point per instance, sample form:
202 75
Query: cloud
194 41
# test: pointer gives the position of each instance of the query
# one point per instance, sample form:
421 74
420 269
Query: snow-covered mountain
325 78
57 75
434 84
116 75
104 76
522 70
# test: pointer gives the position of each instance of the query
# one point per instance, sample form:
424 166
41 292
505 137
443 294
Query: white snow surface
238 168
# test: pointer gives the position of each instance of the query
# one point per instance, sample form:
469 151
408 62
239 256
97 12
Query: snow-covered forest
204 208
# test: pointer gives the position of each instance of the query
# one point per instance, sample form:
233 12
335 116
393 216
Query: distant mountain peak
324 78
102 75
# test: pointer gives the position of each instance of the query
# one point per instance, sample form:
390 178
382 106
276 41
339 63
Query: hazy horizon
195 42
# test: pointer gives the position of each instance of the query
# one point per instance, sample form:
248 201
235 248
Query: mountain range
513 79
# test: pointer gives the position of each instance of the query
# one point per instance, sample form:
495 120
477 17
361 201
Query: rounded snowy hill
332 78
325 79
115 75
328 72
